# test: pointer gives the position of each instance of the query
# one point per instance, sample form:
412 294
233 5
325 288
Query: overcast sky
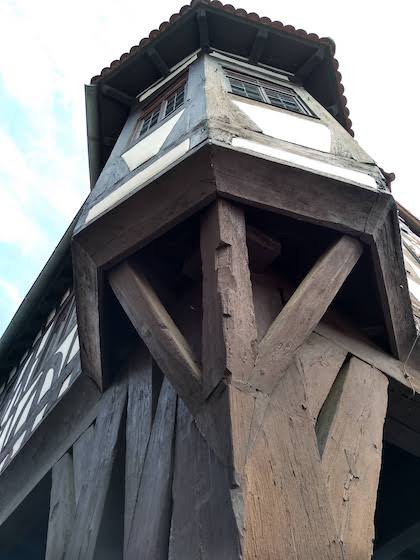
50 48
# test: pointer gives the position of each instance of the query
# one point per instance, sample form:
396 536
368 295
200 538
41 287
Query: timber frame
213 172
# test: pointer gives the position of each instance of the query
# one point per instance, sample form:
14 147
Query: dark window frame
154 113
264 91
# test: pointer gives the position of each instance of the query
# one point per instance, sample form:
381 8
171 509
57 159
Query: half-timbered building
219 361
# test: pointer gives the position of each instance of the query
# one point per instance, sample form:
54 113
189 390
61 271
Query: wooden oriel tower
214 385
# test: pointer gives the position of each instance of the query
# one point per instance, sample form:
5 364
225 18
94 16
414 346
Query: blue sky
49 49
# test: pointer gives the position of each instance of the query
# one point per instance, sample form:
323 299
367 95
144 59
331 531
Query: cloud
12 293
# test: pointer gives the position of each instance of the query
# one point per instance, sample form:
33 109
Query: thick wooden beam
258 46
203 30
62 508
229 338
203 522
149 532
306 69
263 249
158 61
138 429
303 312
82 449
350 431
97 477
118 95
158 331
287 511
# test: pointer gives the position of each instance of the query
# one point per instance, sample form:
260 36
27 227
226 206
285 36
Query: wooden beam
258 46
306 69
149 533
203 30
158 331
287 511
82 450
350 432
117 95
138 429
263 249
158 62
303 312
371 354
399 544
62 508
229 338
97 477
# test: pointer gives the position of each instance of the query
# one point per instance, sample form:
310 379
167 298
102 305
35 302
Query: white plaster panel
151 144
138 180
306 162
287 126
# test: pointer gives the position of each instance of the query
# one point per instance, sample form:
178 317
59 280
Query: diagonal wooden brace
303 312
158 331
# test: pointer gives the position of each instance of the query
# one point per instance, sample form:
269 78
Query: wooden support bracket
158 331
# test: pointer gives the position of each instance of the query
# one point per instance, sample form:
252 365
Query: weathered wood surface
229 328
82 451
54 436
88 296
292 326
158 331
95 487
138 429
268 301
352 341
203 525
287 508
319 361
62 508
149 532
263 249
392 282
350 429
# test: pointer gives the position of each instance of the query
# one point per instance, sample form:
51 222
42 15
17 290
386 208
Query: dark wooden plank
393 288
87 292
82 450
138 428
203 30
303 311
94 490
306 69
263 249
258 46
229 329
149 534
203 523
287 512
53 437
158 331
158 61
350 430
294 192
62 508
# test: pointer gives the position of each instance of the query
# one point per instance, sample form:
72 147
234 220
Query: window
167 103
266 92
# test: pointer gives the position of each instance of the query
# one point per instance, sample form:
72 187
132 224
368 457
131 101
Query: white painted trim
139 180
334 171
262 71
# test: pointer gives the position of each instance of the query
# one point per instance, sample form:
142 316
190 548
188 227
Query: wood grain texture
94 490
82 449
319 360
62 508
352 341
203 524
149 534
287 509
138 428
393 288
303 311
350 430
158 331
229 328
